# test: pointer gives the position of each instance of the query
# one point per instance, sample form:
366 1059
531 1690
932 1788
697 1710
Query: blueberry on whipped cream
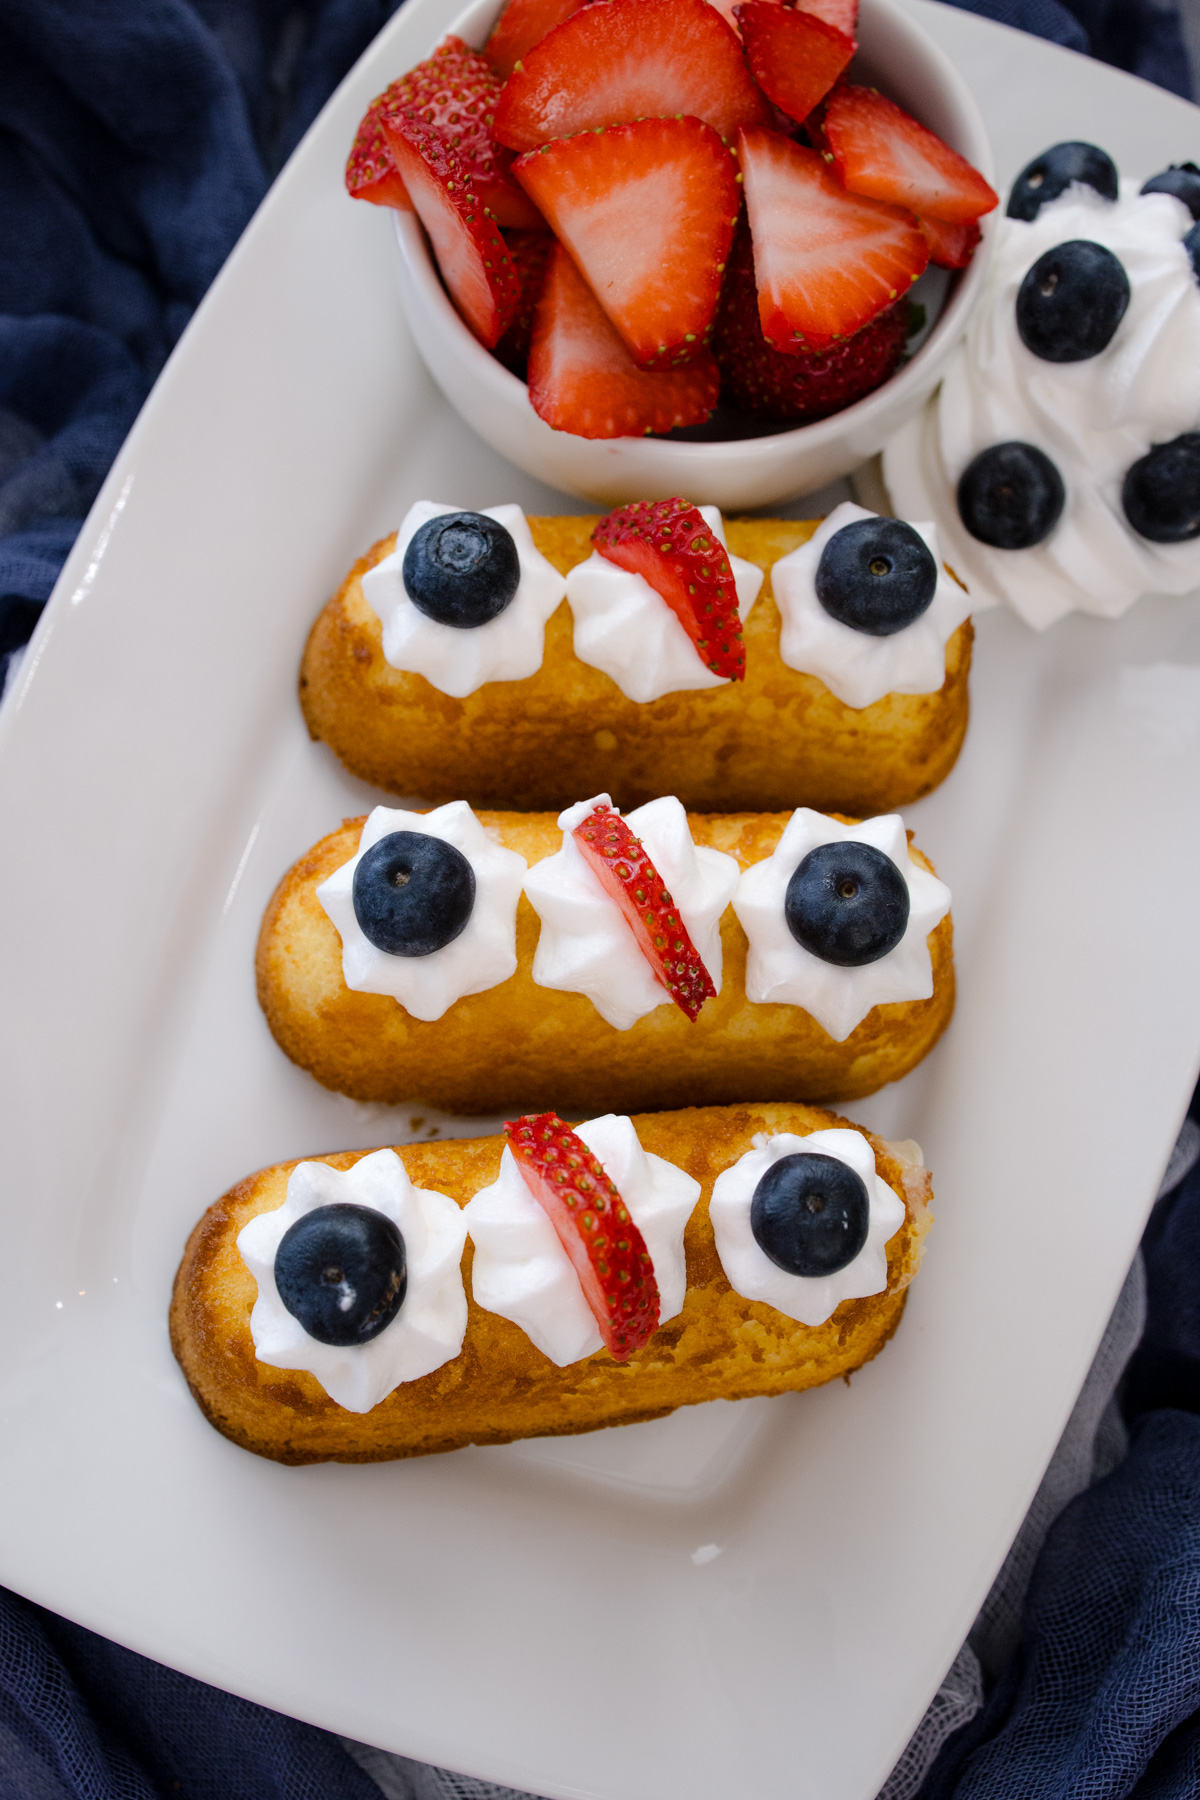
1055 171
1011 496
461 569
1182 180
847 903
782 968
340 1270
876 575
426 908
480 597
802 1223
413 893
359 1277
1071 301
1055 457
810 1214
867 607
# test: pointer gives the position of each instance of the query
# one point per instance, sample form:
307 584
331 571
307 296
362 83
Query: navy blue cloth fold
135 143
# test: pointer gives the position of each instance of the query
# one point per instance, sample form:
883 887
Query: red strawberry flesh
794 57
470 251
454 92
371 173
626 60
606 1249
826 262
530 252
626 873
841 14
669 543
950 246
881 151
521 25
647 212
796 388
583 380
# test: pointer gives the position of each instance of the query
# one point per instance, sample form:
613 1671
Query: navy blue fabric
135 143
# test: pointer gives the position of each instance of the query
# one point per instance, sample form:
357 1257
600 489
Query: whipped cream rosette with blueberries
464 597
802 1223
359 1279
867 606
649 603
426 908
1060 458
838 919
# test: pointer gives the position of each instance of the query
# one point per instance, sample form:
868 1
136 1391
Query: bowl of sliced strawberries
713 247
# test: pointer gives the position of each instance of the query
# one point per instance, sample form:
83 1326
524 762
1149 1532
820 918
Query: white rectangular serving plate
755 1599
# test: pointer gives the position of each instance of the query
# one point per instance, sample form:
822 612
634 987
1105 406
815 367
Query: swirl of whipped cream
482 956
779 970
858 668
520 1269
625 628
809 1299
429 1327
586 946
454 660
1093 419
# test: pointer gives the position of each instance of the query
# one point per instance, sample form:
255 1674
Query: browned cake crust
778 739
501 1387
527 1047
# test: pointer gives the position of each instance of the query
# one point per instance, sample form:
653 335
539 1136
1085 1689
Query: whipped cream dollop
1094 419
781 971
454 660
429 1327
586 945
480 957
809 1299
624 627
520 1269
855 666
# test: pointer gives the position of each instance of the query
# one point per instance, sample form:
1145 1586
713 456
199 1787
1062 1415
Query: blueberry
1071 302
461 569
1011 496
1052 173
1182 180
341 1271
876 575
847 903
810 1214
1161 493
413 894
1191 244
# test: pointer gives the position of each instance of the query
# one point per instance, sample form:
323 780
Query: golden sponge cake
500 1387
779 739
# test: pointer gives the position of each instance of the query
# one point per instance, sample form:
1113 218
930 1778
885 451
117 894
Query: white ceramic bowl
899 58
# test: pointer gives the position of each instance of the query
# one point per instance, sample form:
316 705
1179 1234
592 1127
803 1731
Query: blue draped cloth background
135 143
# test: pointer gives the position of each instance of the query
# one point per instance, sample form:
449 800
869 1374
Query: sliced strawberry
756 378
880 151
617 858
454 92
670 545
647 211
470 251
370 172
794 57
841 14
950 246
530 252
582 379
626 60
521 25
606 1249
826 262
